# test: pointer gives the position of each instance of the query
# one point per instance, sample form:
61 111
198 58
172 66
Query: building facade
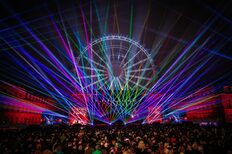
22 107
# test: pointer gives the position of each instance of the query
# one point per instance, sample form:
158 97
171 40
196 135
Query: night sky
163 28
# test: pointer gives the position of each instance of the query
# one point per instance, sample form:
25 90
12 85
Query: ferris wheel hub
117 70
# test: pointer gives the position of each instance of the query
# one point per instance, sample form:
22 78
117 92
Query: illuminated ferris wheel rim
115 73
119 38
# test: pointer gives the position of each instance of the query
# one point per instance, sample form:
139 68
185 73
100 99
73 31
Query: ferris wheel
117 72
116 63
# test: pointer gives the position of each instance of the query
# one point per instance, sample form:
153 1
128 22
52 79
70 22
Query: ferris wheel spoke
104 85
127 52
104 61
92 69
96 63
119 82
142 73
92 76
111 83
141 77
131 58
140 70
95 82
136 84
139 62
122 82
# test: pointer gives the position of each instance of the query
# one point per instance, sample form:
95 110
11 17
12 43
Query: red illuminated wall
208 107
215 112
226 98
22 114
22 117
204 114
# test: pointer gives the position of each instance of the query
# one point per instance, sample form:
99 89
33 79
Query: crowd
139 139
